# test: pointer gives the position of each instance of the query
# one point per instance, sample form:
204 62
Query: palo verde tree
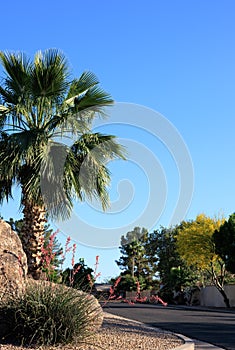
39 104
196 247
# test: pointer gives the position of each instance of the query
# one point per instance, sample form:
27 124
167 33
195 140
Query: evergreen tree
173 272
134 260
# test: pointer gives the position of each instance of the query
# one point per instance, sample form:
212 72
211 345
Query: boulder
13 263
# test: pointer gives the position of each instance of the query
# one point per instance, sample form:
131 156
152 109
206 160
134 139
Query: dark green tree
172 270
224 239
79 277
128 283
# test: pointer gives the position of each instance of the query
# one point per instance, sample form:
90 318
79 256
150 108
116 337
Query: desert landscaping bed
117 333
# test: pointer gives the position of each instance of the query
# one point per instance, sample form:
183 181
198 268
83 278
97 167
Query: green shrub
166 294
49 314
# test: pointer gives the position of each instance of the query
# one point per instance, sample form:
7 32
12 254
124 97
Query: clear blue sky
175 57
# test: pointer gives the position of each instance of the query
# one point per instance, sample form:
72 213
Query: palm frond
3 110
66 125
93 98
52 177
8 97
86 98
6 177
78 86
8 166
49 74
86 166
104 147
5 189
17 67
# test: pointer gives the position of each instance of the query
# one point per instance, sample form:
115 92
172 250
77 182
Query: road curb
188 343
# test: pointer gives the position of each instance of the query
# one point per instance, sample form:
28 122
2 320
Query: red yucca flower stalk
96 274
47 255
73 254
117 282
112 288
67 248
74 271
162 302
90 280
112 291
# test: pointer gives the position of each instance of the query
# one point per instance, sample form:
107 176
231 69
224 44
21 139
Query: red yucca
112 294
96 273
48 256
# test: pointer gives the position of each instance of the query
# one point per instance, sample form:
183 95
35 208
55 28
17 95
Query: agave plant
40 103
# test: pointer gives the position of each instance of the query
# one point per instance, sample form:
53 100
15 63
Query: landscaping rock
13 263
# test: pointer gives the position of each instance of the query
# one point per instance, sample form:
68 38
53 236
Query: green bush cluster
48 314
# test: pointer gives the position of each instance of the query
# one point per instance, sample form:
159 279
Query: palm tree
39 104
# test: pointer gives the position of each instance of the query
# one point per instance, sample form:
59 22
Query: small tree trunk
133 267
32 234
226 299
220 286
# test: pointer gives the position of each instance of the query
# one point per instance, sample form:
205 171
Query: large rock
13 263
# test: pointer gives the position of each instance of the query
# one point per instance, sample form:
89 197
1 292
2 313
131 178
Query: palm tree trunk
32 234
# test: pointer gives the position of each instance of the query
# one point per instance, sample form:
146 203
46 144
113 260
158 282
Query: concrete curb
188 343
200 345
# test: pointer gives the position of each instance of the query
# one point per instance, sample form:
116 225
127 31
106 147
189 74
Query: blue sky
174 57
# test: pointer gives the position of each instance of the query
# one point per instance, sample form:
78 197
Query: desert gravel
117 333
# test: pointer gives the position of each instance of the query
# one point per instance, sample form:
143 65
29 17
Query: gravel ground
117 333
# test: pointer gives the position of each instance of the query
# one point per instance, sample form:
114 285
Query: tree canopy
195 241
135 260
172 269
196 246
224 239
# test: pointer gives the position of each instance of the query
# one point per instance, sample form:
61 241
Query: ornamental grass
49 314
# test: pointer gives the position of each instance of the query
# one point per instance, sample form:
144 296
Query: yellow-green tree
196 247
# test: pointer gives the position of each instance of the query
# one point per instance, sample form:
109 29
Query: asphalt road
212 326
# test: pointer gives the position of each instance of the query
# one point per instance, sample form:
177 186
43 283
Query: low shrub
50 314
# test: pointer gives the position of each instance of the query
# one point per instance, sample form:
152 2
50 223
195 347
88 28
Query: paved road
212 326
